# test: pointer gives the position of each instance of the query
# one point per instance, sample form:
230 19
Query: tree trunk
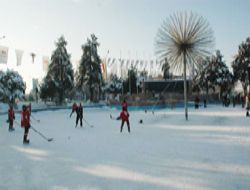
185 87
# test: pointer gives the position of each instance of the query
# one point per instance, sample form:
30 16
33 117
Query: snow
209 151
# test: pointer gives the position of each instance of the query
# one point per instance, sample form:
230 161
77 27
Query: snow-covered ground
210 151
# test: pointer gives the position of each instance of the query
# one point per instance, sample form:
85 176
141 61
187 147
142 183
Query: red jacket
74 107
25 118
124 115
11 114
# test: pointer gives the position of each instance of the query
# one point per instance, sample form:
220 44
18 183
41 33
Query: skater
247 105
74 109
196 102
234 101
242 101
124 115
11 118
79 114
125 105
205 102
25 123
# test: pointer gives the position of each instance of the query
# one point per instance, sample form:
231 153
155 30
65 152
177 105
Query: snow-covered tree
89 74
12 86
203 79
130 83
215 74
60 77
223 78
115 84
47 89
241 63
143 74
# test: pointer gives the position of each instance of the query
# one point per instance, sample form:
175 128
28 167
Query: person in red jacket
11 117
124 115
25 123
74 109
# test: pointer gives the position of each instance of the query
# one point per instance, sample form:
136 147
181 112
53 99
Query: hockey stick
48 139
42 135
111 117
87 123
37 120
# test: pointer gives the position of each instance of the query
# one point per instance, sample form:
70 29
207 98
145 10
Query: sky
125 28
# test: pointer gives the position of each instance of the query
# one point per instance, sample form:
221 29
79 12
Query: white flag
19 55
128 62
45 63
151 63
4 54
108 62
113 61
141 63
122 62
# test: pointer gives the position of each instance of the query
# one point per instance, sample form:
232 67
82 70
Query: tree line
62 82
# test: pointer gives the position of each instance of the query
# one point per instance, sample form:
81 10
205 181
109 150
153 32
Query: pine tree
60 77
115 84
12 86
203 79
89 71
130 83
47 89
241 63
223 78
215 73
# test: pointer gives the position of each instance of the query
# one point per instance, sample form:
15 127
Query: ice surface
209 151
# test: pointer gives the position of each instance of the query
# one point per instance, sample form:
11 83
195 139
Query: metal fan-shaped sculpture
184 39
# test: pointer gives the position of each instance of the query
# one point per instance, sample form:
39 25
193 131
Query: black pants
77 119
10 124
123 121
26 132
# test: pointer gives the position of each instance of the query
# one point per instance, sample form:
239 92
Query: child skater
124 115
79 114
25 123
11 117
